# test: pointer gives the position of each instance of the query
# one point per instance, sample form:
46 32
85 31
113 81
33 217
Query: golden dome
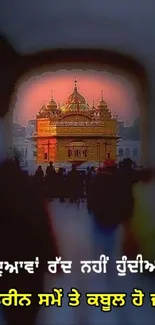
93 108
75 101
102 104
47 111
42 111
103 108
52 105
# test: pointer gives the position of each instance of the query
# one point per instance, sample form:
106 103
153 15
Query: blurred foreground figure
60 184
25 233
110 204
74 184
39 175
140 229
39 172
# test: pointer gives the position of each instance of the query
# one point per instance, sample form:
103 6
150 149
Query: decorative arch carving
68 117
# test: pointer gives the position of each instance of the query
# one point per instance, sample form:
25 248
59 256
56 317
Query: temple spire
102 95
75 83
51 94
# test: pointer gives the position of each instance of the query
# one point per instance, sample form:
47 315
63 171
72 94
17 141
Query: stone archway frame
15 68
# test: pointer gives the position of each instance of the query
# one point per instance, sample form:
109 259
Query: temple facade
75 132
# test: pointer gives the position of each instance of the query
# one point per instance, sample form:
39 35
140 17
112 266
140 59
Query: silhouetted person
67 182
126 166
90 174
74 184
25 233
39 175
81 185
60 183
87 179
51 180
49 168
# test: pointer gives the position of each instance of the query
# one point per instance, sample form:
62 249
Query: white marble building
26 149
129 149
31 127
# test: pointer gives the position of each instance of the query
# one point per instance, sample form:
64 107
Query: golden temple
75 132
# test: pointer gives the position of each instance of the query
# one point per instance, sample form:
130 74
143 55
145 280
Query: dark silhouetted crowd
26 227
76 184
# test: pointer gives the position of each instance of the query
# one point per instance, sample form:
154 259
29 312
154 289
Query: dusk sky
117 92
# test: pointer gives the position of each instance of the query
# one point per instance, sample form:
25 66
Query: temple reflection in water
75 132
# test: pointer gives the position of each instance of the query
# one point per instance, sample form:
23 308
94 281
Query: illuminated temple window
69 153
76 153
80 153
45 156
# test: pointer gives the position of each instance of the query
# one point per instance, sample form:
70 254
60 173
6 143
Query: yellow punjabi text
106 300
152 298
74 298
51 299
13 298
137 297
103 300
